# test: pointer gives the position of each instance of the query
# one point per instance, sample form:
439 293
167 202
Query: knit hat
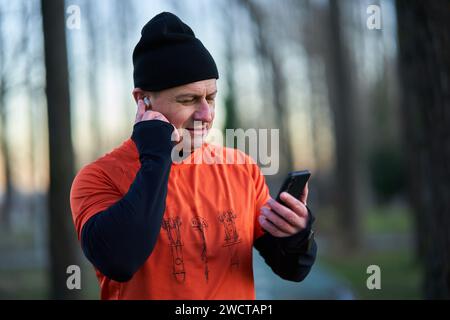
169 55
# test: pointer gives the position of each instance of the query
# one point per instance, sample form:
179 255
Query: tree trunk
424 61
29 11
6 205
125 24
231 118
95 105
264 46
340 91
61 233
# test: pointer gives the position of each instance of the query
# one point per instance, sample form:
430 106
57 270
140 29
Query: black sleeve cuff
299 241
152 137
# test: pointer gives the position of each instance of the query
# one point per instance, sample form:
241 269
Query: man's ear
137 93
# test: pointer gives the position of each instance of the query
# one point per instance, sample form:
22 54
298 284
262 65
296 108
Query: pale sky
117 118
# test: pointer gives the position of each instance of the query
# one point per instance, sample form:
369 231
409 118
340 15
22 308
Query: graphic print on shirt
199 224
172 227
231 235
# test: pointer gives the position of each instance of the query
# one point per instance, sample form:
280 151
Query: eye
186 101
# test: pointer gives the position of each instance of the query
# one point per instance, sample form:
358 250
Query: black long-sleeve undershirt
118 240
291 257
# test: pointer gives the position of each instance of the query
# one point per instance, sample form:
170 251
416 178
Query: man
161 229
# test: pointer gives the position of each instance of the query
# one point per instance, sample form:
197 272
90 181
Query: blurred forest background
359 89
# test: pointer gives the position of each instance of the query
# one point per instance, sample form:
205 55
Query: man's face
189 107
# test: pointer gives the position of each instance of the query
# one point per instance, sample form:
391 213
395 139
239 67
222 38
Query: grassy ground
377 220
400 275
400 272
23 284
32 283
388 219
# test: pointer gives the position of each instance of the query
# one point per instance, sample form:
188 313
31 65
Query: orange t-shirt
204 248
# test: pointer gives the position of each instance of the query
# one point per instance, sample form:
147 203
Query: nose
204 112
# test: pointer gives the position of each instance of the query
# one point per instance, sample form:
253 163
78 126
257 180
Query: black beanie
169 55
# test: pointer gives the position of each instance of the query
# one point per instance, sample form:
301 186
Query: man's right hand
143 115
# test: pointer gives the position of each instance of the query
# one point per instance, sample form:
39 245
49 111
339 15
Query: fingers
272 229
153 115
294 204
277 221
140 111
295 218
143 115
283 221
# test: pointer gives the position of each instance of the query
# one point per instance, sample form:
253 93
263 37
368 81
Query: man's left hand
287 218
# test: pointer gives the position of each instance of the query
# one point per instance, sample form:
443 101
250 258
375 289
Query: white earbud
147 101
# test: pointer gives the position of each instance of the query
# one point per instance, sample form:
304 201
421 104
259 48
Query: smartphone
294 184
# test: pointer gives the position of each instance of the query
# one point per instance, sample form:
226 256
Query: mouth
198 131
